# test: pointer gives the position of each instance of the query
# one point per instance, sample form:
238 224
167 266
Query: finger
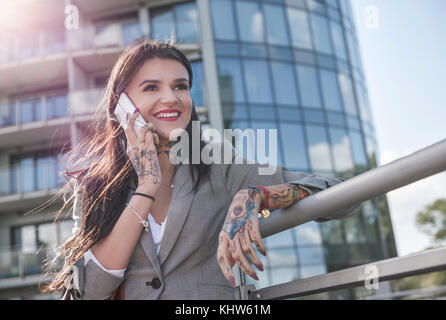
239 257
156 138
248 249
142 136
254 233
223 258
130 130
149 138
151 126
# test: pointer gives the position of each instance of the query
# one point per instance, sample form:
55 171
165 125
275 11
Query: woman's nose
168 96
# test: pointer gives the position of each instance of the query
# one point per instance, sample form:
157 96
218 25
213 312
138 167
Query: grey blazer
186 267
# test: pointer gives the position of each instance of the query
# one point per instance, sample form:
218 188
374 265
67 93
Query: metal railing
340 201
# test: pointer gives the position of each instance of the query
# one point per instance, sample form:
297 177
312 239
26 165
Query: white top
157 235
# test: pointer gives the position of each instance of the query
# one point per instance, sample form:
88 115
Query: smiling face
160 90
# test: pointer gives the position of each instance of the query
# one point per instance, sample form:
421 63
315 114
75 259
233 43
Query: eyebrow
157 81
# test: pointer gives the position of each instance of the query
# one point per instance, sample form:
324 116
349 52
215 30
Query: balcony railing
32 175
40 108
20 263
333 203
21 47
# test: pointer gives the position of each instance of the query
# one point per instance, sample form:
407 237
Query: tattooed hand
240 228
143 154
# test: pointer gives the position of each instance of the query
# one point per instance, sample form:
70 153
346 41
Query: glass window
227 48
52 172
253 50
321 35
307 271
299 28
348 97
335 118
281 239
281 257
250 21
162 23
42 172
330 90
31 110
56 106
54 41
130 32
262 112
358 150
333 3
235 111
304 57
370 213
187 22
28 177
353 123
274 159
198 83
7 114
293 145
338 40
332 232
284 83
230 79
282 275
316 6
276 30
308 234
341 150
289 114
354 231
308 87
310 254
318 148
326 62
280 53
351 49
257 81
223 20
314 116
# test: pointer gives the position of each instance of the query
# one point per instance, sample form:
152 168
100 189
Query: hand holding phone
125 106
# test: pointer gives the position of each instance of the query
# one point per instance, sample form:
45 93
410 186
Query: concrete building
290 65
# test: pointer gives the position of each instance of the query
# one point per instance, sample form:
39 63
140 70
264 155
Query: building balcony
21 268
29 182
34 120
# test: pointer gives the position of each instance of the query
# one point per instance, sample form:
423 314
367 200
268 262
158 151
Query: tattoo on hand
242 209
145 162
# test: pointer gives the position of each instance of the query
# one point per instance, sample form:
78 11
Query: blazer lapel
180 203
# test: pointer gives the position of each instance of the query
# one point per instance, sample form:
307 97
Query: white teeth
168 115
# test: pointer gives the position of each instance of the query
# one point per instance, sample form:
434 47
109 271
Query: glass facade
295 66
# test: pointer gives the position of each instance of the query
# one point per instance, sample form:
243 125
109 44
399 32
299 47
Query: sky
404 60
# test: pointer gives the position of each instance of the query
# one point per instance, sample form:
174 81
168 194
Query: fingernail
136 111
255 276
126 116
261 268
231 280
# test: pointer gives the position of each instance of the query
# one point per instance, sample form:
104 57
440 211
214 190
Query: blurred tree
432 221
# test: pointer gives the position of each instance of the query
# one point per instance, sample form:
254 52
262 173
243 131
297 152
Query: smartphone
125 106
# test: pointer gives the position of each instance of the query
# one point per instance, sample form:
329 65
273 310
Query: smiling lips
168 115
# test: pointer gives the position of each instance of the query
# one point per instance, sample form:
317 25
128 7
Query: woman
149 224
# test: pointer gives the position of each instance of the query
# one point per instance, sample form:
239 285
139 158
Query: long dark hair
98 168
